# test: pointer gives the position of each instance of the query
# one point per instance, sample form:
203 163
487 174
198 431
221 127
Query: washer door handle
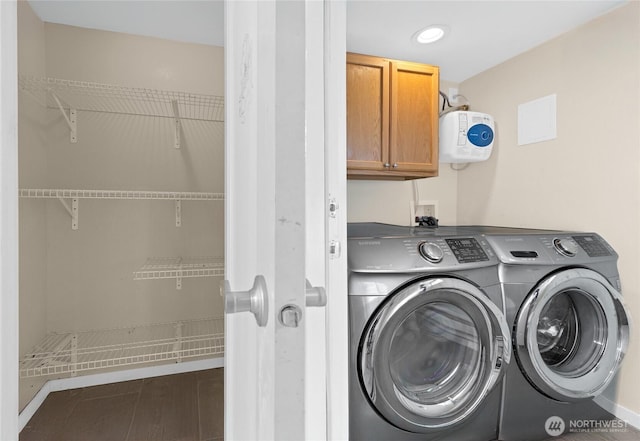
501 350
498 360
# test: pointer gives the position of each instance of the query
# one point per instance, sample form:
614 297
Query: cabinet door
367 113
414 118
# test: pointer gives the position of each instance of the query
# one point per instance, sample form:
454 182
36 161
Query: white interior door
249 214
275 362
8 221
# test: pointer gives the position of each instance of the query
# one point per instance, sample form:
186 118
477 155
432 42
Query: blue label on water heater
480 135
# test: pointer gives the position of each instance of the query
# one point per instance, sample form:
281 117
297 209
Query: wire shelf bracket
71 120
72 210
178 127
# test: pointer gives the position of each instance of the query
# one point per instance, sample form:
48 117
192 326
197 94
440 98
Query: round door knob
566 247
431 251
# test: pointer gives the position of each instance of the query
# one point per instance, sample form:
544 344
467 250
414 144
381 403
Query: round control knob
566 247
431 251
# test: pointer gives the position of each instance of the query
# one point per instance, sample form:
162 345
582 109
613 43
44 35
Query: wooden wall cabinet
392 118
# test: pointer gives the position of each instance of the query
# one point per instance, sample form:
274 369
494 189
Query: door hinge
333 207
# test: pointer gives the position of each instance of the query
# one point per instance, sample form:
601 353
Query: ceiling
481 33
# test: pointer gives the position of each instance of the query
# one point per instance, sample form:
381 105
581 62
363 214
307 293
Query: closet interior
121 176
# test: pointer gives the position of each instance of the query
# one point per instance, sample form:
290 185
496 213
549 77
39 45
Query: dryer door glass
431 354
571 334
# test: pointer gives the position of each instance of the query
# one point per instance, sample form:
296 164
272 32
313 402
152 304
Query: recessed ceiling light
431 34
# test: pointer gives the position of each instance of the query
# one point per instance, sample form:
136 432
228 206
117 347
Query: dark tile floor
181 407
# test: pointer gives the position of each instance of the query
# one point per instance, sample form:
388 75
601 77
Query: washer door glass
432 353
571 334
435 358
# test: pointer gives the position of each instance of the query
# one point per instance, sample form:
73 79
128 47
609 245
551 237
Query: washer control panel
464 249
467 250
431 251
419 254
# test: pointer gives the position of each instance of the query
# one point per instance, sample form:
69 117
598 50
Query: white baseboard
619 411
112 377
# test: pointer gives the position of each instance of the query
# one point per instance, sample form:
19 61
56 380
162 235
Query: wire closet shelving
71 353
179 267
47 193
74 197
97 97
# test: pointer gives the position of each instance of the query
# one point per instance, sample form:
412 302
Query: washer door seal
431 354
571 334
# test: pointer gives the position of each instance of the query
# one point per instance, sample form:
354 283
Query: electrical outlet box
422 208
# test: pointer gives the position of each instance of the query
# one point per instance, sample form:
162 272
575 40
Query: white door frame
8 221
336 331
327 346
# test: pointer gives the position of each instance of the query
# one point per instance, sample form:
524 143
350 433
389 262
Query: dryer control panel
594 246
566 248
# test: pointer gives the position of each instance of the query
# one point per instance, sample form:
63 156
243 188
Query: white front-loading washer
428 340
570 330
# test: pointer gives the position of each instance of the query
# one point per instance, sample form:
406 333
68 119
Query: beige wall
83 280
90 271
390 201
589 177
123 59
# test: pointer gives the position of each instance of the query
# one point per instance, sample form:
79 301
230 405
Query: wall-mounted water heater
466 137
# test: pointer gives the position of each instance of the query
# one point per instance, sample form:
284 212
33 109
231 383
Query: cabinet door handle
395 165
387 165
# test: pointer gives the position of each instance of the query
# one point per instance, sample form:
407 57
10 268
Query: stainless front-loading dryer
570 330
428 340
